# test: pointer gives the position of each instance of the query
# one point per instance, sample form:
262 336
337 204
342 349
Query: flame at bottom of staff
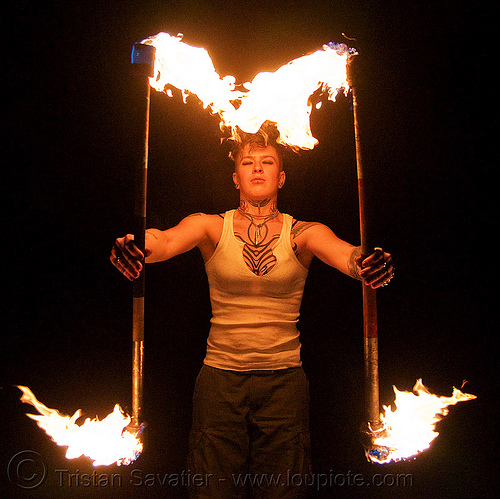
105 442
410 428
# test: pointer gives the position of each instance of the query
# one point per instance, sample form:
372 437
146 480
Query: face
257 172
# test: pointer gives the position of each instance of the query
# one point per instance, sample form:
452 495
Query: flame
282 97
410 428
104 442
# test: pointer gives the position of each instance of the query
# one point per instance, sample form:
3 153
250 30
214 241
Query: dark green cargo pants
250 434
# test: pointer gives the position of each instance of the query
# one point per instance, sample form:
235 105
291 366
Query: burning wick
104 442
410 428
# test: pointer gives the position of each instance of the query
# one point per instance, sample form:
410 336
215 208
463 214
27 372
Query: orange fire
282 97
410 427
104 442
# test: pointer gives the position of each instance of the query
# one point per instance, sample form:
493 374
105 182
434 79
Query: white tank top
254 318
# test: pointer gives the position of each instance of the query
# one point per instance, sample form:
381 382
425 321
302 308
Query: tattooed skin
258 253
259 258
297 229
353 268
152 234
257 204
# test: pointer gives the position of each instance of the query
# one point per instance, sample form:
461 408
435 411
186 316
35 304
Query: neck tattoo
259 204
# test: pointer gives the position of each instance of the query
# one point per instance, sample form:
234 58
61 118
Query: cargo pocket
194 459
305 449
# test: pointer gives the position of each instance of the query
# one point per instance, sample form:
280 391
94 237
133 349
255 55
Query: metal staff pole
142 59
370 333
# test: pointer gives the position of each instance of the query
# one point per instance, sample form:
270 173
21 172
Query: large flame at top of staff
409 428
281 97
104 442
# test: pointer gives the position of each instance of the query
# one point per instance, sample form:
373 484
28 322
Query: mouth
257 180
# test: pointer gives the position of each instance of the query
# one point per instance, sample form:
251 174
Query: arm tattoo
351 264
299 227
152 234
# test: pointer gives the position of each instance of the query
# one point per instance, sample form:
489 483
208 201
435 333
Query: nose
257 167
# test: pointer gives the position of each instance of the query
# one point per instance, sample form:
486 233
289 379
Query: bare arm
160 245
330 249
320 241
165 244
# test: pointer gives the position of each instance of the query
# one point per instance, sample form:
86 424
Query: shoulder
209 228
302 228
199 222
203 218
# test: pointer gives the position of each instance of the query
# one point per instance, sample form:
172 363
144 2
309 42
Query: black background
70 132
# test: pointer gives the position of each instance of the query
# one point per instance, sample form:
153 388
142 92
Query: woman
250 406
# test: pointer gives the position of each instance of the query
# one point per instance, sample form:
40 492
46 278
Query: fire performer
251 400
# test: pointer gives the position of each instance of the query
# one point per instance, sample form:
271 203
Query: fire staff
251 400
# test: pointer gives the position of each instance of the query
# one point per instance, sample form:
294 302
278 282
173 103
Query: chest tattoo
258 247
